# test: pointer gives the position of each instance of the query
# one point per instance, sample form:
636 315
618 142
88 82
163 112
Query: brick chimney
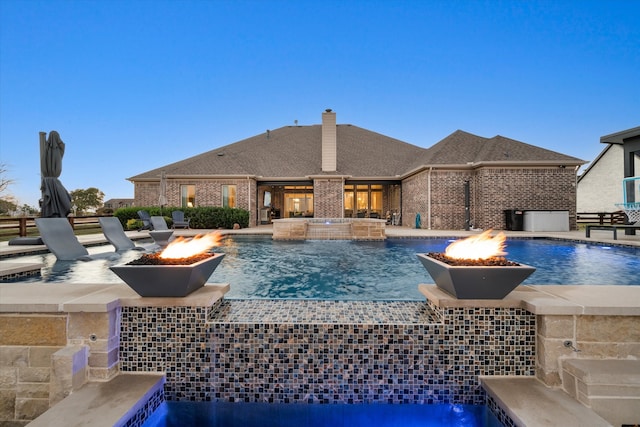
329 142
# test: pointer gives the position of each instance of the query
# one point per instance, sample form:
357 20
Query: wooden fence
25 225
601 218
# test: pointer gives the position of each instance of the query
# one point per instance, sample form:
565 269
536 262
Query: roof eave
619 137
541 163
183 176
500 163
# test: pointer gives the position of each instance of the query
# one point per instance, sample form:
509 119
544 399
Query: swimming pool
259 267
229 414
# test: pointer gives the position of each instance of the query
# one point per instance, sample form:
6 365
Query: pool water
260 267
229 414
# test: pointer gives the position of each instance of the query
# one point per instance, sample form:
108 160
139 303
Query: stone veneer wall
339 228
492 190
45 356
596 337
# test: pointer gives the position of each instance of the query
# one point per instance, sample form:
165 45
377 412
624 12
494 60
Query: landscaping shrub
201 217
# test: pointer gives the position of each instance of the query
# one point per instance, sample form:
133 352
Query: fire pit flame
185 248
480 247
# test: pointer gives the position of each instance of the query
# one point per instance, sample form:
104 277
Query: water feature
259 267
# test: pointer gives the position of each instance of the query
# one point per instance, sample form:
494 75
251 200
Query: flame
482 246
184 248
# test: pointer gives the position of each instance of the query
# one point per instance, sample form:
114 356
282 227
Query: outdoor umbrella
162 200
56 200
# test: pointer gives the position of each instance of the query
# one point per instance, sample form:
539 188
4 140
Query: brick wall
492 190
208 193
498 189
327 198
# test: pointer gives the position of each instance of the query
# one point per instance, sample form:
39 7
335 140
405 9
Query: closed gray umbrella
56 200
162 199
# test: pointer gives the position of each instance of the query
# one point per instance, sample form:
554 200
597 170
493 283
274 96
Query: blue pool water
225 414
259 267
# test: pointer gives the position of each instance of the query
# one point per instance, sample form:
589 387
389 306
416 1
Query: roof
620 137
295 152
464 148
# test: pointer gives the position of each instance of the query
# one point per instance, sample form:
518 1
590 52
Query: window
298 200
363 200
188 196
229 196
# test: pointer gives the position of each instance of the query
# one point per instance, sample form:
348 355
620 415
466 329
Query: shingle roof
295 152
462 147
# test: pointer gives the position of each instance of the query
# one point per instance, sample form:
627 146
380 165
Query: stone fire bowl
167 280
475 282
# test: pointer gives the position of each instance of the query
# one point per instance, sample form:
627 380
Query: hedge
201 217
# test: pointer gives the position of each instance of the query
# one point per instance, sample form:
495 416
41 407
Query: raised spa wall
329 229
294 351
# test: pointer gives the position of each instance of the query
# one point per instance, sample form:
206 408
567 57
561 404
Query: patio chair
179 221
146 220
59 238
161 234
158 223
113 231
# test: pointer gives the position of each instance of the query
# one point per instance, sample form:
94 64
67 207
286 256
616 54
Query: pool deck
566 300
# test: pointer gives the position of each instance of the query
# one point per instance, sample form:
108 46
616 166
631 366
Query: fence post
23 226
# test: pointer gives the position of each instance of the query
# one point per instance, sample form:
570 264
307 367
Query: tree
83 200
7 205
4 181
29 210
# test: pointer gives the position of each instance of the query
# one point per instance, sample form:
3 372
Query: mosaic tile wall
173 340
327 351
22 275
142 415
504 419
362 352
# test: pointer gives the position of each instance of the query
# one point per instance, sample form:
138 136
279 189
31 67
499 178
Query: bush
133 224
201 217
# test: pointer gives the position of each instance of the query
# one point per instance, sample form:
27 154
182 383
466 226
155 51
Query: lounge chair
58 235
158 223
146 220
113 231
179 221
161 234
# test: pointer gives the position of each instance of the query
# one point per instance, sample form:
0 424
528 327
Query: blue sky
133 85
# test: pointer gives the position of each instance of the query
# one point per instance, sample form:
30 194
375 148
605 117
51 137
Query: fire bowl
167 280
476 282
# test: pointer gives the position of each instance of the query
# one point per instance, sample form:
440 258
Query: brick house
340 170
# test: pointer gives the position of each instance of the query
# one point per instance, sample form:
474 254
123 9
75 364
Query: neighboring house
114 204
337 171
600 185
